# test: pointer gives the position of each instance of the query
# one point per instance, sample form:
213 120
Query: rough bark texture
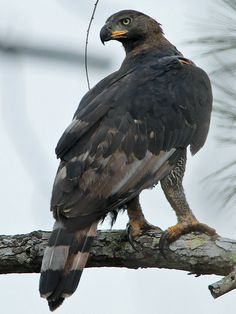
195 253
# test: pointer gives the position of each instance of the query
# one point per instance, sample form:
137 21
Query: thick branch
195 253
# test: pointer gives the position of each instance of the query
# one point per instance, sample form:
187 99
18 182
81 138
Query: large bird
129 132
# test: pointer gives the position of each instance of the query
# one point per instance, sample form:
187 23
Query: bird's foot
186 226
136 228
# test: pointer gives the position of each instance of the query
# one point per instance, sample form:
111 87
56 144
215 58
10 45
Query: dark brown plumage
129 132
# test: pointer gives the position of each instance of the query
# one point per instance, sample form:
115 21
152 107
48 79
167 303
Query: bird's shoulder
164 93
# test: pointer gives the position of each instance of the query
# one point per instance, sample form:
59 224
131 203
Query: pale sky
37 101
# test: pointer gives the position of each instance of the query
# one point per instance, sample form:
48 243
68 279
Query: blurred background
42 79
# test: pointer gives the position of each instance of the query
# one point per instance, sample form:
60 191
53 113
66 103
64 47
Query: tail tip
54 304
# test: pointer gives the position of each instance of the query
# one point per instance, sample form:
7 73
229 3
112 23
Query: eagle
130 131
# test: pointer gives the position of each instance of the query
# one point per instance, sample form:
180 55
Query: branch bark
196 253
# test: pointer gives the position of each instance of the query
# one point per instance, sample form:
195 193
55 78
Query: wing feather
122 138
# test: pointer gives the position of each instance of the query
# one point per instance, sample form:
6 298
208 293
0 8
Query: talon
169 236
130 237
134 230
194 274
164 243
175 232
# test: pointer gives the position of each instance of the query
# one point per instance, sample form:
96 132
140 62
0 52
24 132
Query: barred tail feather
63 263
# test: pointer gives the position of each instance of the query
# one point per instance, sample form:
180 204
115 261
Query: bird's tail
64 260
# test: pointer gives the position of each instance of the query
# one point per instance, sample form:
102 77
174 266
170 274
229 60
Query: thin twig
86 43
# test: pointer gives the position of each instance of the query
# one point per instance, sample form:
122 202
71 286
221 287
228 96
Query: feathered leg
137 223
63 262
174 192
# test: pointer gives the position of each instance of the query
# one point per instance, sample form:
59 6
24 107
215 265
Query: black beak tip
105 35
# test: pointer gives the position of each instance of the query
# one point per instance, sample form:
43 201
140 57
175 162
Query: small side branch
224 285
195 253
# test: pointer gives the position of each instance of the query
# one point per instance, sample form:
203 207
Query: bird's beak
107 34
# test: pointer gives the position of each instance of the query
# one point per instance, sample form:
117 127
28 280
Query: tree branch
196 253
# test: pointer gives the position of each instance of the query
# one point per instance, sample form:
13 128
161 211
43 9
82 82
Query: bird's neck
159 44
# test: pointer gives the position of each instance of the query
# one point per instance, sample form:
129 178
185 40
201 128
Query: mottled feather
128 133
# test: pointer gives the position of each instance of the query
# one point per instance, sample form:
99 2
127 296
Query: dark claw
128 232
195 274
164 243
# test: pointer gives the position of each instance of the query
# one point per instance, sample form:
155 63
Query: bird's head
130 27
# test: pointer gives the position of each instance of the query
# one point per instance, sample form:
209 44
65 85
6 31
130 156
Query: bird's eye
126 21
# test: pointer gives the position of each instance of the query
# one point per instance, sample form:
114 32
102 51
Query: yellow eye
126 21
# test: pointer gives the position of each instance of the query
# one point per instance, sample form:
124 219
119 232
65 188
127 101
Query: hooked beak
107 34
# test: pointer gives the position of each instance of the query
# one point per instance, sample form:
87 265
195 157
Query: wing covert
128 126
